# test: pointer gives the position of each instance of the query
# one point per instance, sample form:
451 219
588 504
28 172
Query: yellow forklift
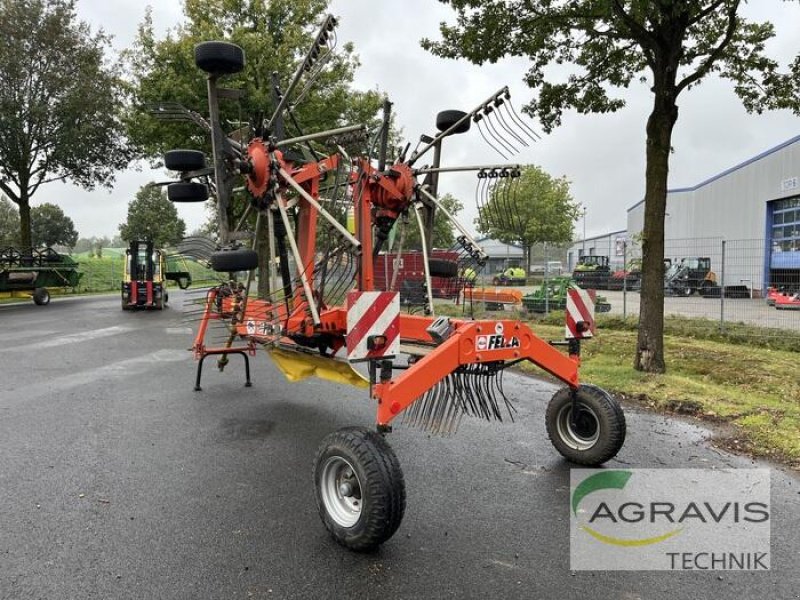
144 282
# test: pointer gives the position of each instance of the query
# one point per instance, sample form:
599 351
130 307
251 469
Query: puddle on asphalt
245 429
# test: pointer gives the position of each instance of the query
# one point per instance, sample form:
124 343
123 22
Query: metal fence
725 281
709 282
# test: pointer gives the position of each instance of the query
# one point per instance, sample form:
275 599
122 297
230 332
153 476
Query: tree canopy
538 208
582 52
151 216
275 37
9 223
51 227
60 103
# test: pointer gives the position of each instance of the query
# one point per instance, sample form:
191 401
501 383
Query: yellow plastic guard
296 366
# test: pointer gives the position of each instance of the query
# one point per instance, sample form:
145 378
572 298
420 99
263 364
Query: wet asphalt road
119 481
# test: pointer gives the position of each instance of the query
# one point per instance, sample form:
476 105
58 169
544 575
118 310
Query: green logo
611 480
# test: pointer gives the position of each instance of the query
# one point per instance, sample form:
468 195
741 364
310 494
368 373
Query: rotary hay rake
328 216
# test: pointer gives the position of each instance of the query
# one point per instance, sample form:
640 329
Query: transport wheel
595 435
440 267
359 488
187 191
220 58
41 297
688 290
239 259
124 303
448 118
184 160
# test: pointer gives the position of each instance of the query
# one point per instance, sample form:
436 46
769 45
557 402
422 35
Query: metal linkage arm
455 222
325 214
491 99
471 343
311 56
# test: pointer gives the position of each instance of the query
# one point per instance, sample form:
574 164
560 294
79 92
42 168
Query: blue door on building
783 229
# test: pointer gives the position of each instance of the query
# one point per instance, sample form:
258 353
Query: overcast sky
602 155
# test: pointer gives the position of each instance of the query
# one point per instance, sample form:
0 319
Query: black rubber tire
383 488
448 118
219 58
229 261
124 302
601 420
41 297
187 191
184 160
440 267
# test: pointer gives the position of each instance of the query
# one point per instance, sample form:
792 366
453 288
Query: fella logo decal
495 342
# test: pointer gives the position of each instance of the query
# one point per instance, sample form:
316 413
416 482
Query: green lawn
105 274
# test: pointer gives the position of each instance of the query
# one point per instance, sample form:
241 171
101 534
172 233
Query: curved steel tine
518 120
511 131
502 205
485 139
512 203
500 139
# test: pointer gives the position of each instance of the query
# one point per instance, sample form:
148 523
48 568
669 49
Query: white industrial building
750 212
501 255
609 244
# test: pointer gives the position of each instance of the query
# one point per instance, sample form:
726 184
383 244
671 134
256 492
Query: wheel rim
584 433
341 491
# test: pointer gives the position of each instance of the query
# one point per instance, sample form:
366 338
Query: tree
671 45
51 227
539 208
9 223
59 103
275 37
443 236
151 216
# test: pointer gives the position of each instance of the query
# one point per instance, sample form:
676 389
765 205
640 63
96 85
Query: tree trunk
25 222
650 345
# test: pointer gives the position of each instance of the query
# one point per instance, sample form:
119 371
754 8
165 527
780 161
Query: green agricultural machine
36 273
511 276
592 272
553 296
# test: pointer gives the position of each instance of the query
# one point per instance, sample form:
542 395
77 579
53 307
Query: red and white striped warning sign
371 315
580 307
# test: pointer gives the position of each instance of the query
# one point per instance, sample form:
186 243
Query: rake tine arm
461 348
453 221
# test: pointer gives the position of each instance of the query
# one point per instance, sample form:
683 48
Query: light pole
584 231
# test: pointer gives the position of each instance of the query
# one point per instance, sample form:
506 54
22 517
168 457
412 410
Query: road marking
73 338
179 331
14 336
116 370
